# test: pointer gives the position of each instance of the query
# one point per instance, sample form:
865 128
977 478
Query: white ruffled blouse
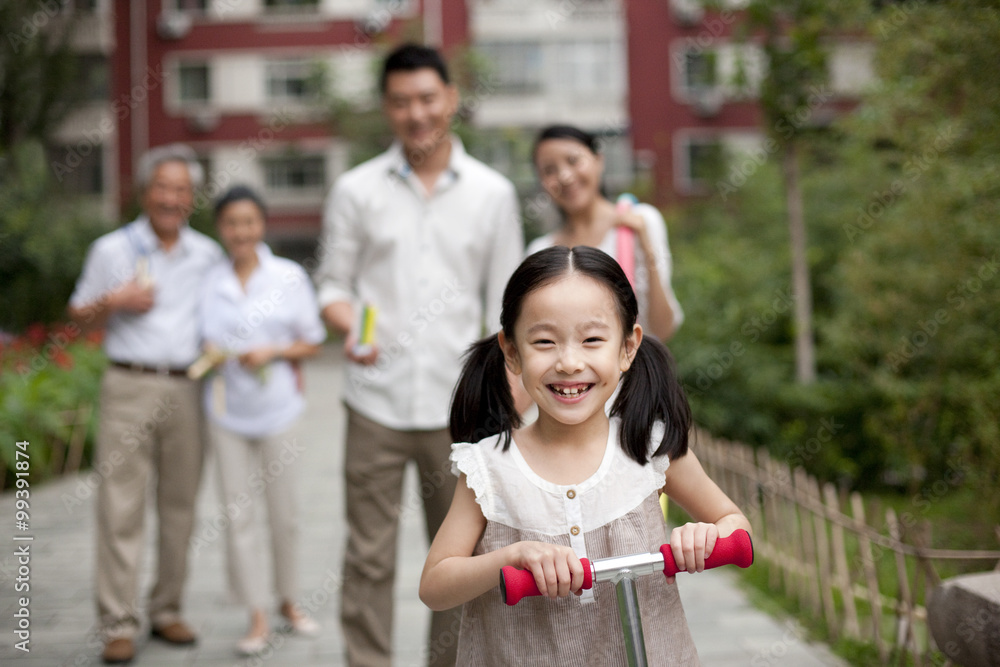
509 492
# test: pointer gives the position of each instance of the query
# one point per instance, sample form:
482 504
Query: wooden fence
65 454
862 583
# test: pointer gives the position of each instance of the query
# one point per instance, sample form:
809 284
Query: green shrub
43 375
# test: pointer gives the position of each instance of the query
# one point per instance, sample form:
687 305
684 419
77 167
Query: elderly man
428 236
141 283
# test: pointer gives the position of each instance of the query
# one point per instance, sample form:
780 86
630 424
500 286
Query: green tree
39 82
919 285
794 36
43 235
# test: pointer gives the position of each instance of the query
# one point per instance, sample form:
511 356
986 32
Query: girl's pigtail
651 392
482 404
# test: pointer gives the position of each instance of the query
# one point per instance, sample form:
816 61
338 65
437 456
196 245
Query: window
700 71
194 83
79 168
82 5
277 6
193 6
295 173
515 67
702 160
92 70
291 81
590 67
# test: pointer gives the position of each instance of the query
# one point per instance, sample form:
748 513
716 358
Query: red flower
36 334
62 359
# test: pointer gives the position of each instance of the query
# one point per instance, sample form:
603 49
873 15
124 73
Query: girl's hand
691 544
557 569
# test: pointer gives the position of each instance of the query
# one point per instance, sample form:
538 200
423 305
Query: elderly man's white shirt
167 335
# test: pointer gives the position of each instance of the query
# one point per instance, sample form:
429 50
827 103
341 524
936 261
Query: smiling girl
575 483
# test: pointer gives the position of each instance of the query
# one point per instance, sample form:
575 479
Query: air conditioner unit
687 13
375 23
173 25
707 102
203 120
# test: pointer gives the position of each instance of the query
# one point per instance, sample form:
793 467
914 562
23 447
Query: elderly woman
259 318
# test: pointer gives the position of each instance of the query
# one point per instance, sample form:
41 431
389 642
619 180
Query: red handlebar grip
737 549
516 584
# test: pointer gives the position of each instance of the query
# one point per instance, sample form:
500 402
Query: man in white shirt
428 236
141 283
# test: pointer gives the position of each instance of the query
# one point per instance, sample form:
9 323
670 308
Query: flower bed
49 384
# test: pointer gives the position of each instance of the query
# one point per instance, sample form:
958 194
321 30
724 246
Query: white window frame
684 182
285 189
178 92
285 70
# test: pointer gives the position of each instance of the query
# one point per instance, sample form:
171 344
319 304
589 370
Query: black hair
566 132
483 405
239 193
411 57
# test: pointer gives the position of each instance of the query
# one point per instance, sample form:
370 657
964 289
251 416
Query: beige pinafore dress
615 512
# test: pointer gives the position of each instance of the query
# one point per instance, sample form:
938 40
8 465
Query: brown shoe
118 651
176 633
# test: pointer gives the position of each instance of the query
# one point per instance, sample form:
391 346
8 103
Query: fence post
905 636
774 536
871 580
810 582
843 577
823 559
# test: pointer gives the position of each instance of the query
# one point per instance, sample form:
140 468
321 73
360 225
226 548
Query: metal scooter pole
623 571
628 612
735 549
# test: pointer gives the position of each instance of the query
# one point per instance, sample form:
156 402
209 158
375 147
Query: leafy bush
44 236
43 375
907 318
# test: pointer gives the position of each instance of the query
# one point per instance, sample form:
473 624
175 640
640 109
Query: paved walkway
727 630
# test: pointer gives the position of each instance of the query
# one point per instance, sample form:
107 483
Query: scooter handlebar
735 549
516 584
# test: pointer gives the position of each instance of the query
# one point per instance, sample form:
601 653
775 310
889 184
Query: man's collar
143 228
399 165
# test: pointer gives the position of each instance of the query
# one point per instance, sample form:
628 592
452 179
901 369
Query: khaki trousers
254 472
375 460
150 430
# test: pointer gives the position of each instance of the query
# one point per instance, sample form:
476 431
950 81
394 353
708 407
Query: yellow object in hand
366 338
